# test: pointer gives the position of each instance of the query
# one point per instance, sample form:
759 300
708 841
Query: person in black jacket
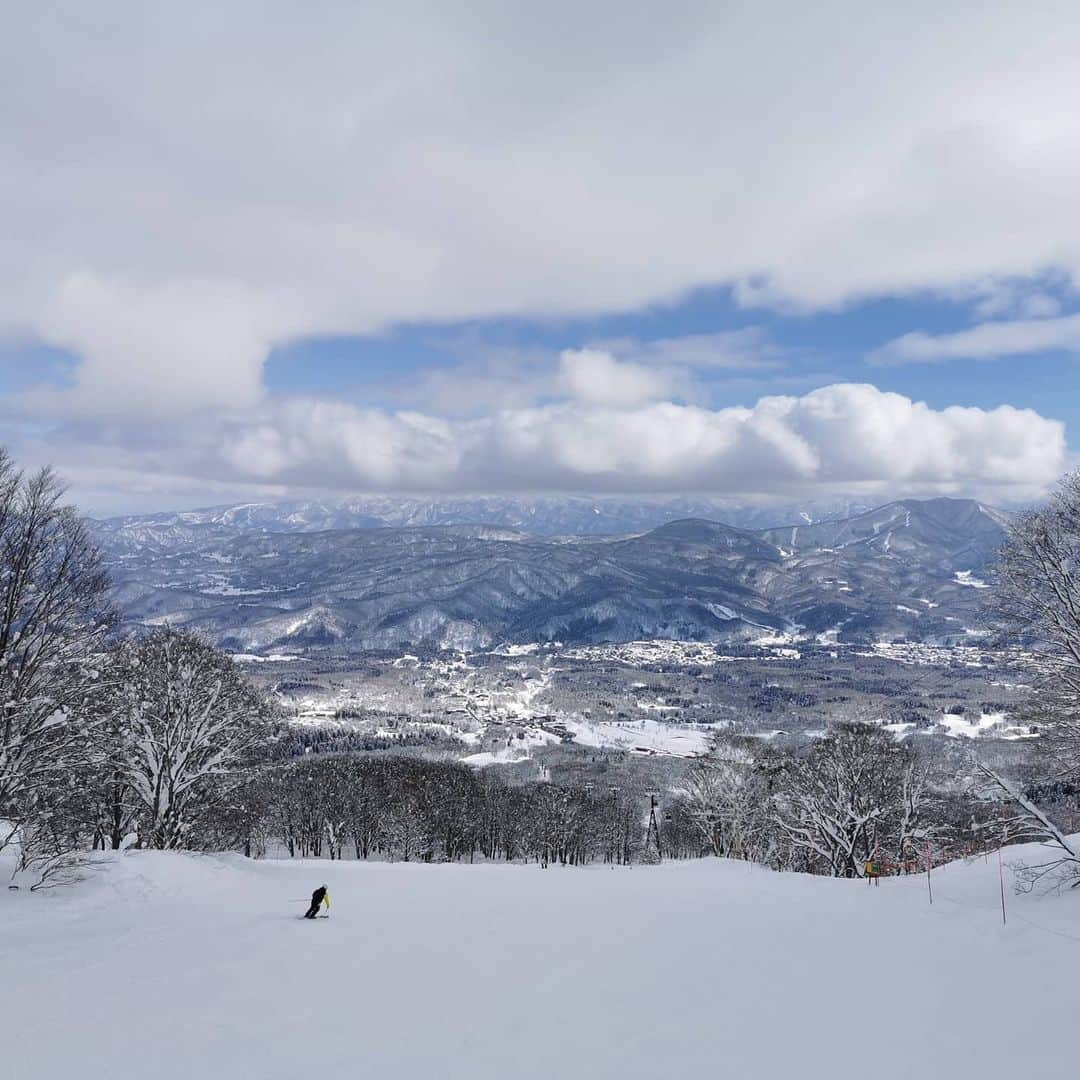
319 897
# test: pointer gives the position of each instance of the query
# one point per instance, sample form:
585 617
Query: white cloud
841 440
846 437
1011 299
748 349
163 348
984 342
186 185
597 378
484 378
620 371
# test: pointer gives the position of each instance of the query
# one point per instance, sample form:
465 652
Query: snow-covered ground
517 749
972 727
174 966
651 737
640 736
270 658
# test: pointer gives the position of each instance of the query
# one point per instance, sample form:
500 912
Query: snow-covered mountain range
255 579
552 515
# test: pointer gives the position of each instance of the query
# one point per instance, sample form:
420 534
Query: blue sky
462 249
818 348
813 349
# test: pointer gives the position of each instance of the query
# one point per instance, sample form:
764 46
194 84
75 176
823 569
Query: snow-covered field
175 966
996 724
640 736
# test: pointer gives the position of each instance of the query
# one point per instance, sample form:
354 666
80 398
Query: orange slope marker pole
1001 880
929 886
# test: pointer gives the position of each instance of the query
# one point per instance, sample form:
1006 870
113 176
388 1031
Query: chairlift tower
614 825
653 834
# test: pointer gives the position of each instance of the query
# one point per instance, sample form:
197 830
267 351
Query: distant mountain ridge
570 515
909 569
953 530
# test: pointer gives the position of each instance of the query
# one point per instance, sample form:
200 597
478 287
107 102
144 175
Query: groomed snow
174 966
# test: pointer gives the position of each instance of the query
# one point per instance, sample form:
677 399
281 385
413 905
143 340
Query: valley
575 713
564 657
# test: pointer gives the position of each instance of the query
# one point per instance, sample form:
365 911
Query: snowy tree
413 808
282 806
497 833
1025 822
407 832
1036 597
111 808
334 799
851 798
913 801
449 798
53 619
724 794
189 719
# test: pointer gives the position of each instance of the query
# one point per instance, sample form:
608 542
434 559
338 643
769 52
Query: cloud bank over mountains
847 438
185 188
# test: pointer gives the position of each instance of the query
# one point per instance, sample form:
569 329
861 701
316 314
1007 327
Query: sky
268 251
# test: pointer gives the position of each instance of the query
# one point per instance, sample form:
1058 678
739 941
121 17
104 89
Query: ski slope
174 966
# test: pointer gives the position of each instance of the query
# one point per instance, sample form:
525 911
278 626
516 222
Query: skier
319 897
871 872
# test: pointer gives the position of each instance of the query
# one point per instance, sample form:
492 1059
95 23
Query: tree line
855 801
410 808
855 797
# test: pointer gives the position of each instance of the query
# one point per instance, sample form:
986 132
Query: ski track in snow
176 966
